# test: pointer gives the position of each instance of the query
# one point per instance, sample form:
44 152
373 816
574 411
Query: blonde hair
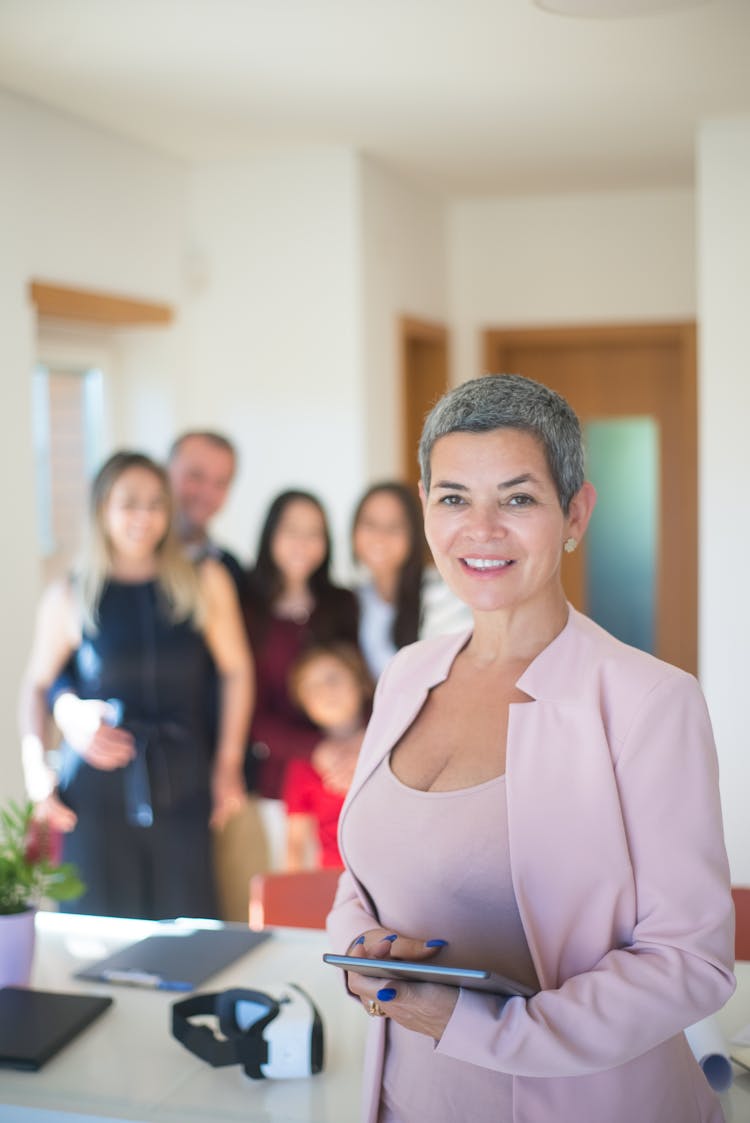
176 576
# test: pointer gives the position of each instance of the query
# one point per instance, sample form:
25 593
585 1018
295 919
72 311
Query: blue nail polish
436 944
386 994
359 940
390 939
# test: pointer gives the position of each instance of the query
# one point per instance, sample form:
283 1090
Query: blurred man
201 467
201 470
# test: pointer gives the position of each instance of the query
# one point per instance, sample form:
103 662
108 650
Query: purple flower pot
17 936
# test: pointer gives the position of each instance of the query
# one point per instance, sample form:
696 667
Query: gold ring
374 1009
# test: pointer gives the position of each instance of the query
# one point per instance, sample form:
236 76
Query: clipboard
175 961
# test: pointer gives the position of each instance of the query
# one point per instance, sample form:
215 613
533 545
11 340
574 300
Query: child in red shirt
330 683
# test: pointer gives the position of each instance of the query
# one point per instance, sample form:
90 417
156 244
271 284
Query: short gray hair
218 440
510 401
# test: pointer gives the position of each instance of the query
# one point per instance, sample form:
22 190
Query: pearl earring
569 545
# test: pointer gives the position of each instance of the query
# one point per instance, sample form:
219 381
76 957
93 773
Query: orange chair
301 899
741 897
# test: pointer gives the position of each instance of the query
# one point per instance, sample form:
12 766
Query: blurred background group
188 721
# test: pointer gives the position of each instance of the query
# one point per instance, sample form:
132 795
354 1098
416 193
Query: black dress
142 841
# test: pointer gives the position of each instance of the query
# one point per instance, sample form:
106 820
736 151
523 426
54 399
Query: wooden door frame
413 330
682 335
87 306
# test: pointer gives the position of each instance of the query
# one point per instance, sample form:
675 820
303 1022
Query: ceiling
468 96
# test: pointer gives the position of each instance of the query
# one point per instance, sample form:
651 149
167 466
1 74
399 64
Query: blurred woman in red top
289 602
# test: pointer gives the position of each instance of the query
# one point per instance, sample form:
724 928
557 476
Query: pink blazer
620 873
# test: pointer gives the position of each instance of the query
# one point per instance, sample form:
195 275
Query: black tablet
36 1024
471 977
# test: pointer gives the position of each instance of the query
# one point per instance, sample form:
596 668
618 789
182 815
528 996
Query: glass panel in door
622 539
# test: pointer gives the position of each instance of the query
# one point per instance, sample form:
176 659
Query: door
634 390
424 379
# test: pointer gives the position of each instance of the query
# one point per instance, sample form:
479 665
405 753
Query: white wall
300 262
569 259
724 463
270 332
19 572
94 209
83 208
404 274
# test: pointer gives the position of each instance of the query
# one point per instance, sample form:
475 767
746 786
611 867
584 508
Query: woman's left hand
421 1007
228 794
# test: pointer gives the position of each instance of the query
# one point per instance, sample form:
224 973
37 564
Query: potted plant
29 873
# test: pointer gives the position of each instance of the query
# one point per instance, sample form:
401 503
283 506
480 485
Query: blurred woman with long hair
120 651
401 598
290 603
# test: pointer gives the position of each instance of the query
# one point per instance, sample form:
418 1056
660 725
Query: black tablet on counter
36 1024
471 977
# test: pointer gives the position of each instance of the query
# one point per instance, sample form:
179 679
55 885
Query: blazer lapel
415 671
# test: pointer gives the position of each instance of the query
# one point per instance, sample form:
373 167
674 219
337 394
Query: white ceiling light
613 9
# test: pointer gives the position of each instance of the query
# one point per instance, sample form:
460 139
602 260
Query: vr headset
276 1035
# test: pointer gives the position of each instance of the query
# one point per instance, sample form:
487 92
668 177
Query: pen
143 979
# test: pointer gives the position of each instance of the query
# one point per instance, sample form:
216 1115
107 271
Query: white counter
127 1066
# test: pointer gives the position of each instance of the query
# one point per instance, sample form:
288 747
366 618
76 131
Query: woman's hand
83 724
228 793
55 814
421 1007
335 761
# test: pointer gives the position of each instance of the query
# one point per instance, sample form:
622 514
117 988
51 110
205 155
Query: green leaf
25 880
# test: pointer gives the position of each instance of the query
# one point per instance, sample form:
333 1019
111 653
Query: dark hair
330 616
209 435
510 401
409 588
347 654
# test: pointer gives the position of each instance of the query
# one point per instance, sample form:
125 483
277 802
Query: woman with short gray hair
511 402
536 799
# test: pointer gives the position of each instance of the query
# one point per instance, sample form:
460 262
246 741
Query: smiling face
329 693
382 538
201 474
494 522
135 515
299 542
